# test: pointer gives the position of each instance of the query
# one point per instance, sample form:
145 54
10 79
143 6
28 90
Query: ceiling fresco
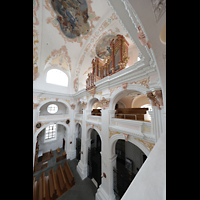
72 16
103 46
74 19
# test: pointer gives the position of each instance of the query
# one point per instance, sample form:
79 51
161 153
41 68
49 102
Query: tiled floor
82 190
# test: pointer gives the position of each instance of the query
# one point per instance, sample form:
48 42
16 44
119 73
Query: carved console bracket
104 102
84 105
156 98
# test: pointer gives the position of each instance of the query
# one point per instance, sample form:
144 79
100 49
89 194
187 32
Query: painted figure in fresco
103 49
72 16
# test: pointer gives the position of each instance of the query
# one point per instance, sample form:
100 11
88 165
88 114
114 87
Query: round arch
92 100
76 128
120 92
89 130
116 137
50 123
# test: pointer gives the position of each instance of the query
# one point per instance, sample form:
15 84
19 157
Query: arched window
57 77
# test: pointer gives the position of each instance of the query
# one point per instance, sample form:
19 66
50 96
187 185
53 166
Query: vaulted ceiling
53 49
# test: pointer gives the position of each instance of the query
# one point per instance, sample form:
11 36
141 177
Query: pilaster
157 115
82 166
105 191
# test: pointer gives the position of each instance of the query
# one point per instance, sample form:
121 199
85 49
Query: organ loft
115 62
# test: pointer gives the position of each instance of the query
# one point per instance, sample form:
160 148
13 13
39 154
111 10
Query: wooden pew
43 186
34 188
40 189
47 188
40 167
61 178
59 158
52 184
51 152
131 113
69 174
96 112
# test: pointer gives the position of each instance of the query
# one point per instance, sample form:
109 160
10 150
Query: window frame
54 83
52 132
55 107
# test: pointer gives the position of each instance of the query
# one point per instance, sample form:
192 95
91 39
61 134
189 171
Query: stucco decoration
113 89
158 94
104 103
142 38
154 100
35 9
111 133
35 54
42 124
35 105
92 91
148 145
124 85
103 46
59 58
126 136
73 19
78 122
76 84
159 7
84 105
73 106
144 82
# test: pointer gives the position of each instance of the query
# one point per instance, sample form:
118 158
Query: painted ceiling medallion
103 46
72 16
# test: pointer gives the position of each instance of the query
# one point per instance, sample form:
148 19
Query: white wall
46 146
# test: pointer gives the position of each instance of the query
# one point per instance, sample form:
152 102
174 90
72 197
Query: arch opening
94 157
132 105
78 141
129 160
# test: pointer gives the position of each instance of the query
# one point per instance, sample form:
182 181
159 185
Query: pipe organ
112 64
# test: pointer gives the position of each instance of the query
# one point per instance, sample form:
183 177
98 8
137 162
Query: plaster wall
140 101
126 101
133 54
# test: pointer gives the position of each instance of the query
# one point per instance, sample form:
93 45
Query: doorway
94 158
78 142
